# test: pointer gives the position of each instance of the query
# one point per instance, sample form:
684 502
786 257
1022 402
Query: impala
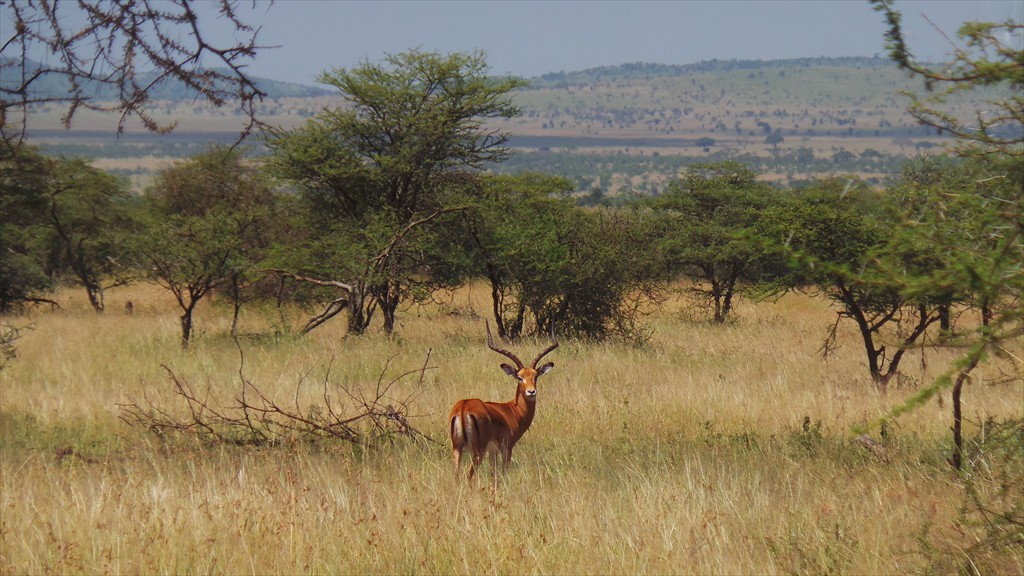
495 427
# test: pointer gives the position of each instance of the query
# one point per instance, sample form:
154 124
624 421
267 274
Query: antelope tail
463 431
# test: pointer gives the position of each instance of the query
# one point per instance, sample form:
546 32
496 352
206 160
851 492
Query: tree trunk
186 326
729 291
958 422
389 308
716 298
95 297
356 313
496 298
520 320
945 317
236 301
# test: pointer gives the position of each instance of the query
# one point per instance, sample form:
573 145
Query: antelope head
527 375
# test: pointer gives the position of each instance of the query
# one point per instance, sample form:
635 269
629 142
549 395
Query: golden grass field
685 456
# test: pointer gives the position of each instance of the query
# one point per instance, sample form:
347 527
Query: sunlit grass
689 455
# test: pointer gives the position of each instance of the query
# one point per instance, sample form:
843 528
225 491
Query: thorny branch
112 55
256 418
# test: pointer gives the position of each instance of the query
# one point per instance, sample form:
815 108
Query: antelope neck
523 406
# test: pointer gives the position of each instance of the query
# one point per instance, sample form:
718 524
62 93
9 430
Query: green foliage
550 264
409 122
380 173
990 515
969 222
966 235
60 217
835 224
841 238
990 55
24 175
206 228
218 180
89 213
966 205
708 228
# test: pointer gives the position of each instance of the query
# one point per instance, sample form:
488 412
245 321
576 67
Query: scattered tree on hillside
704 142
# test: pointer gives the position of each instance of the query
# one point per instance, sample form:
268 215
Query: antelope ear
510 370
545 368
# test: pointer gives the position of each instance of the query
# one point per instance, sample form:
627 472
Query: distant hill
647 70
733 100
630 127
52 85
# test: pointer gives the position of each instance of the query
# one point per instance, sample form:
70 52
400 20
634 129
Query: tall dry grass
690 455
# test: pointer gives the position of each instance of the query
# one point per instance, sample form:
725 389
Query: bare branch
111 55
255 418
381 258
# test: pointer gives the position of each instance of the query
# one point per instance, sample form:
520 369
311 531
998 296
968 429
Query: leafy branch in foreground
257 418
987 56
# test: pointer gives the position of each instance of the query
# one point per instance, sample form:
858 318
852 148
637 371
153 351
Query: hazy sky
530 38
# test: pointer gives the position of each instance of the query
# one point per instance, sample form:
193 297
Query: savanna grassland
714 449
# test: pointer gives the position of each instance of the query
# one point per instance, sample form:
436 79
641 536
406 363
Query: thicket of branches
112 56
356 413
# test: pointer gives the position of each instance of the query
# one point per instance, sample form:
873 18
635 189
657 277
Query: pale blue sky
530 38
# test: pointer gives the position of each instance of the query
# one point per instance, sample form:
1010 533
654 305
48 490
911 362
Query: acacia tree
24 177
916 195
88 213
205 227
708 229
514 236
841 239
60 217
983 256
551 265
108 55
378 172
984 266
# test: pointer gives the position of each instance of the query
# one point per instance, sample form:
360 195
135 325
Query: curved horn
506 353
549 348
